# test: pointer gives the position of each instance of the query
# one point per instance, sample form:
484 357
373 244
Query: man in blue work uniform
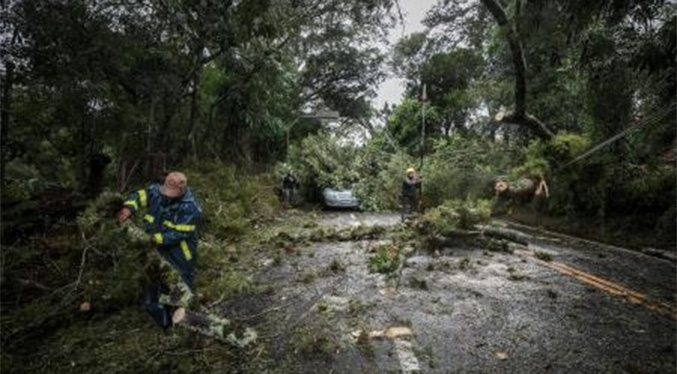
170 220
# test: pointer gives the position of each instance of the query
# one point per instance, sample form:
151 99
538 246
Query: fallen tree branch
507 234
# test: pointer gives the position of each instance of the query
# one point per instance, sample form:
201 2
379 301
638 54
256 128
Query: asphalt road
585 309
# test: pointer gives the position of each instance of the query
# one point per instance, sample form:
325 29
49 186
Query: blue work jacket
172 223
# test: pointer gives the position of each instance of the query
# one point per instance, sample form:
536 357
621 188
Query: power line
636 127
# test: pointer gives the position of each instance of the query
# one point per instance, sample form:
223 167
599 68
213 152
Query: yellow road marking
609 287
389 333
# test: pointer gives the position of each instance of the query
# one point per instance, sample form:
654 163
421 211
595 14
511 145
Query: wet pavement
352 219
465 311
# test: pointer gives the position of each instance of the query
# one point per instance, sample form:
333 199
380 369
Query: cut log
501 187
524 189
500 114
85 306
453 239
507 234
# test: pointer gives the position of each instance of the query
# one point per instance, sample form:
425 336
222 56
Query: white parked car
344 198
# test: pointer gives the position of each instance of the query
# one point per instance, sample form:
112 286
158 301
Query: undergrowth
72 294
386 259
454 215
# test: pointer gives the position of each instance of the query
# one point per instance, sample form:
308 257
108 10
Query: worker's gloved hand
155 239
124 214
135 234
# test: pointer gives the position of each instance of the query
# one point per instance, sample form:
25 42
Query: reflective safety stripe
148 218
158 238
143 198
131 203
182 228
186 250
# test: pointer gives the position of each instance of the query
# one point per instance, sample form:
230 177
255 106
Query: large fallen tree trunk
519 116
452 239
506 234
524 189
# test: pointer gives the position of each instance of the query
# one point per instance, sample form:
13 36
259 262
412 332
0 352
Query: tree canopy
558 111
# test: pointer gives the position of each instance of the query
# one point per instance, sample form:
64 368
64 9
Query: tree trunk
507 234
156 167
151 122
95 179
246 147
5 107
193 122
519 115
190 144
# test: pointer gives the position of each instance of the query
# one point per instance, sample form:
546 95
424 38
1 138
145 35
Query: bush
578 188
386 260
454 215
380 188
458 168
541 157
322 161
232 201
463 168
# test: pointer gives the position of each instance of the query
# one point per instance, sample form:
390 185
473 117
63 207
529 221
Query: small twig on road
261 349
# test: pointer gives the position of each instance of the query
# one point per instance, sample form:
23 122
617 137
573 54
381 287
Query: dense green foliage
230 81
207 80
588 80
105 95
594 71
81 282
458 167
385 260
454 215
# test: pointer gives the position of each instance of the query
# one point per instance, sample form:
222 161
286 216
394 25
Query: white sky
413 12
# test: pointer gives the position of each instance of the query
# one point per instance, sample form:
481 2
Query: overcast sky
413 12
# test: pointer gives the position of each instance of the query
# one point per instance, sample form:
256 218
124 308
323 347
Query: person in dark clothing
288 186
411 190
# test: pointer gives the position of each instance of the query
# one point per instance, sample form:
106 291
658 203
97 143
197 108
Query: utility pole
424 98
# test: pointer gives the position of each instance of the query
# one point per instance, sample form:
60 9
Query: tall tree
519 115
